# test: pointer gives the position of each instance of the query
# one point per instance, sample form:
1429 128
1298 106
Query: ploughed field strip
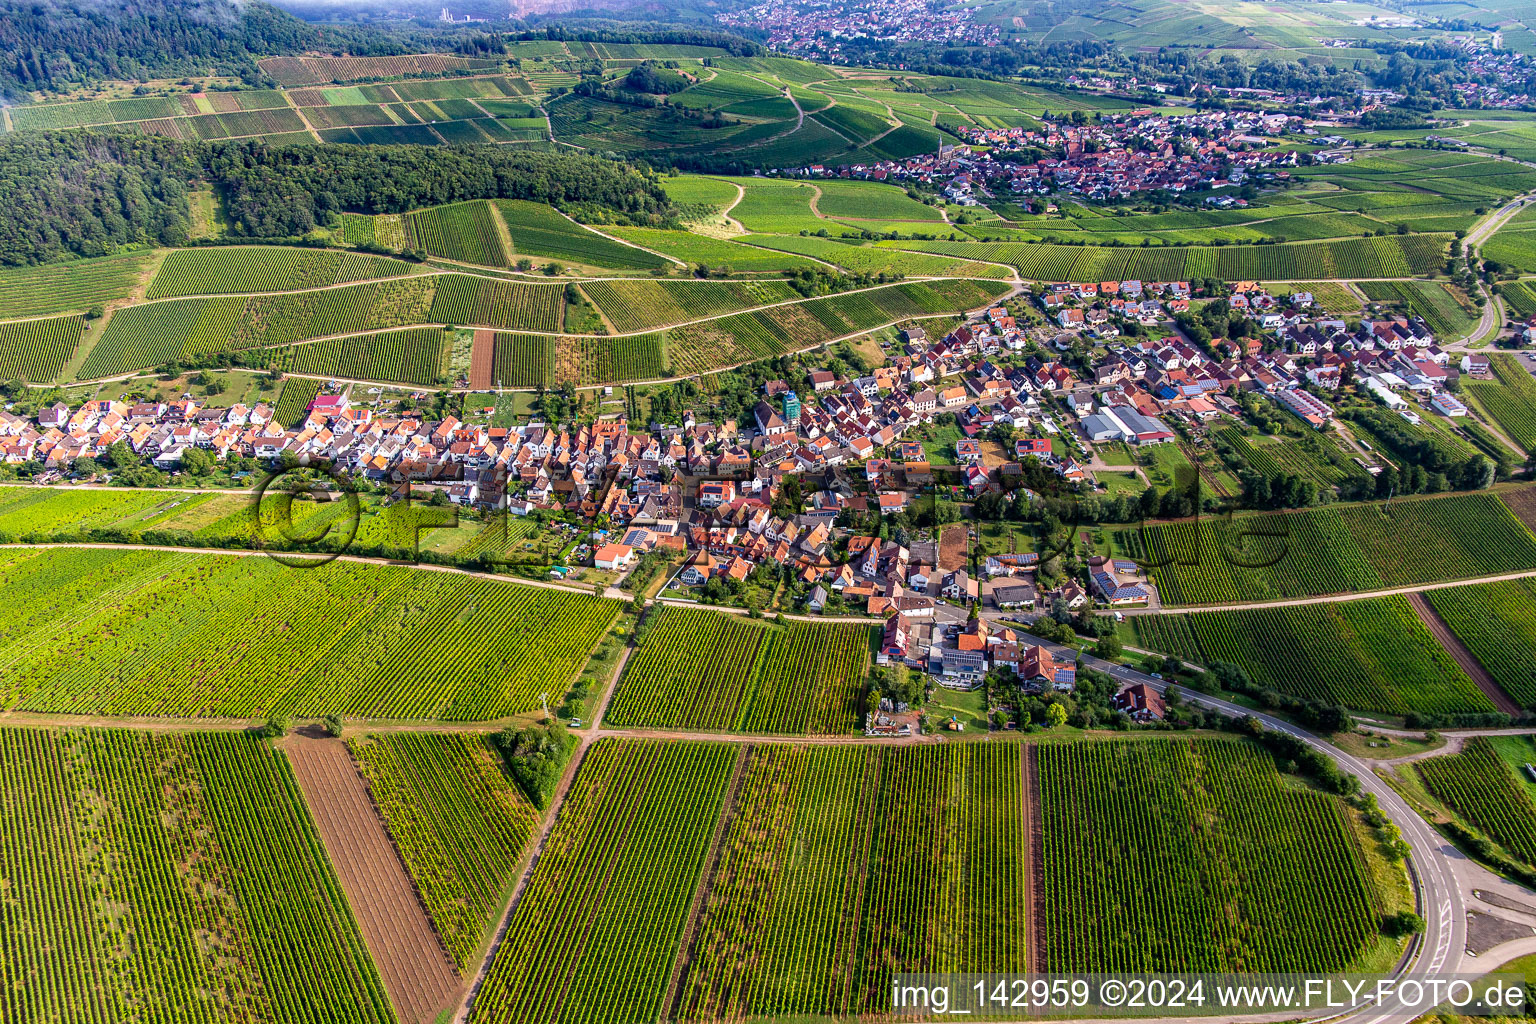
707 670
414 966
117 631
163 877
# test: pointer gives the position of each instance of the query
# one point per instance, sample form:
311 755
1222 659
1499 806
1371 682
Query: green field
1251 872
699 669
514 305
139 337
1374 654
36 350
236 269
1391 256
619 870
1510 398
466 232
170 877
640 305
173 633
1445 316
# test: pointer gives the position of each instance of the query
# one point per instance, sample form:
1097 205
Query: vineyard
72 287
374 306
125 632
293 401
523 361
1510 398
1440 310
761 334
1310 456
698 669
1195 855
466 232
826 881
1373 655
1331 550
459 824
243 268
595 931
541 231
42 513
635 306
415 355
140 337
513 305
834 861
1386 256
1494 622
36 350
165 877
1479 786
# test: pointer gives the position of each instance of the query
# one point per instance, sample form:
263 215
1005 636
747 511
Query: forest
86 193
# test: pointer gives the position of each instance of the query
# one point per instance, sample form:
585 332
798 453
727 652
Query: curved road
1437 866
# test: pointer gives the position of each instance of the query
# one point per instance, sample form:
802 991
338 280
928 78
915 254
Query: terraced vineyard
698 669
619 872
145 336
1374 654
1510 398
234 269
284 319
1331 550
460 826
1253 874
1494 622
513 305
36 350
170 877
72 287
634 306
542 232
173 633
415 355
1388 256
466 232
760 334
1479 786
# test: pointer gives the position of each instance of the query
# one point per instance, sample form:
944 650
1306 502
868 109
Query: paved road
1436 864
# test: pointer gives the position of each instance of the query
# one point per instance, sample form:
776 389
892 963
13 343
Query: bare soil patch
412 963
1469 664
482 360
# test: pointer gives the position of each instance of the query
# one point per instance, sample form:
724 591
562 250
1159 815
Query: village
1110 157
1004 400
